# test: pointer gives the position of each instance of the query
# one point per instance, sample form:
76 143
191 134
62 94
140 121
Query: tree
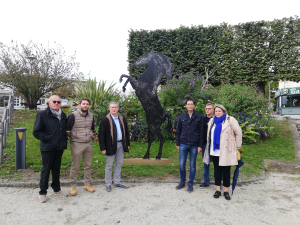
34 70
65 92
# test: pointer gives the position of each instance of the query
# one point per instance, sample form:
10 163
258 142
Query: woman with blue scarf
221 148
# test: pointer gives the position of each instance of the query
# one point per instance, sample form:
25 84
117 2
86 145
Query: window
16 101
286 102
295 100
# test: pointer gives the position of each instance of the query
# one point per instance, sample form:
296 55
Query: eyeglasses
208 109
58 102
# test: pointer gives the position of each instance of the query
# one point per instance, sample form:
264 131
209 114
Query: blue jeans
205 167
183 152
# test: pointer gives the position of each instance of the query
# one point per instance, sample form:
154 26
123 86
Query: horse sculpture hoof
158 157
146 156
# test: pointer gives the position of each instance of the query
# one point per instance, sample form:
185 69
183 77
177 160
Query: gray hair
114 103
50 99
221 107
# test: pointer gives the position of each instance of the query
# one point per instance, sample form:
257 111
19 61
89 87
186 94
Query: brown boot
73 191
89 188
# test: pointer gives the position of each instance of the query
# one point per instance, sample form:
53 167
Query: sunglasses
58 102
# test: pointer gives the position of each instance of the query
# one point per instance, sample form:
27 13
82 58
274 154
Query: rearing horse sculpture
146 90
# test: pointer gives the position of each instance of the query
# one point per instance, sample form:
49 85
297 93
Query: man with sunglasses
50 129
209 112
80 128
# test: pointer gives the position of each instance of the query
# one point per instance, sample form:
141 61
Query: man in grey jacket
80 128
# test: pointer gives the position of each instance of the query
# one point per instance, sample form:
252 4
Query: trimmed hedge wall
254 51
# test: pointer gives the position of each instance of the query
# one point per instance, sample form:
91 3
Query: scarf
108 116
56 113
217 132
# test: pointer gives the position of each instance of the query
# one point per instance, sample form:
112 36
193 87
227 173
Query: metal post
4 134
20 148
1 144
269 96
1 148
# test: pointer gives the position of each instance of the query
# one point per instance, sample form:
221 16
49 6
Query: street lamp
271 70
31 58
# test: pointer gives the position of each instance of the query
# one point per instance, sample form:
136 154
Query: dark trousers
221 171
51 161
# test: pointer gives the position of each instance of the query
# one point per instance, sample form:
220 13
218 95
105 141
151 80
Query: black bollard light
20 148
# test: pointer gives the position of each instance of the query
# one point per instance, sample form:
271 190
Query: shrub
239 97
176 91
132 108
254 128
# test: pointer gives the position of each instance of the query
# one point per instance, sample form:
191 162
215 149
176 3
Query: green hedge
244 51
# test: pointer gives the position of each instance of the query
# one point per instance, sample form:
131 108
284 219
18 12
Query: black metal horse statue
146 90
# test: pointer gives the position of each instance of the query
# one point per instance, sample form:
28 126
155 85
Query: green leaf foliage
239 97
96 93
254 51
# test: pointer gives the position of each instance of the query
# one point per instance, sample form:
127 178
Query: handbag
238 154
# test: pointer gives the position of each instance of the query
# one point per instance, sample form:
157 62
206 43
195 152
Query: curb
281 166
35 184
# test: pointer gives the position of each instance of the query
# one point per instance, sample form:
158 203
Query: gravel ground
275 200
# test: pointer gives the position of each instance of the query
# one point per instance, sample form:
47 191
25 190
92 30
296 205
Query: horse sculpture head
160 61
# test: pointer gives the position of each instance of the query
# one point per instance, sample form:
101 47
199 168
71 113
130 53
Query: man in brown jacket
113 141
80 128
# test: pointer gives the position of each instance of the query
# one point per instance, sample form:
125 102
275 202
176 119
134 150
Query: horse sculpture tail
170 125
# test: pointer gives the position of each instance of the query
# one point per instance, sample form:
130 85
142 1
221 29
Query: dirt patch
283 128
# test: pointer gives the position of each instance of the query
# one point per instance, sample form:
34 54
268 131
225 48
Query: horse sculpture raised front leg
130 79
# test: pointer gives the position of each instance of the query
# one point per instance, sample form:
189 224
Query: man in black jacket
114 141
189 140
50 129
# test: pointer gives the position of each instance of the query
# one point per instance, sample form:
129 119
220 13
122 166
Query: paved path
275 200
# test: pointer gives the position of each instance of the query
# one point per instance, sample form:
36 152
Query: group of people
52 127
209 134
217 135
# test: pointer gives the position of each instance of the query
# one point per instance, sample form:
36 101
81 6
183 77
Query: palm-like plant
95 93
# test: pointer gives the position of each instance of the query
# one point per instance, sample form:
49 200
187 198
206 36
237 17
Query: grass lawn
280 147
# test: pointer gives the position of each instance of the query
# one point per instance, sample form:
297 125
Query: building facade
288 98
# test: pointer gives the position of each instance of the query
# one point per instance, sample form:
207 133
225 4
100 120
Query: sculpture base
151 161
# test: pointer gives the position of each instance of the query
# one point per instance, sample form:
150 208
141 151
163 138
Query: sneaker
204 185
60 193
190 188
73 191
179 186
108 188
120 186
42 198
89 188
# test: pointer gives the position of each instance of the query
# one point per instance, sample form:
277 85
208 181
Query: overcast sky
98 30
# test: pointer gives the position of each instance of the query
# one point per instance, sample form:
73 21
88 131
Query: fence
4 125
